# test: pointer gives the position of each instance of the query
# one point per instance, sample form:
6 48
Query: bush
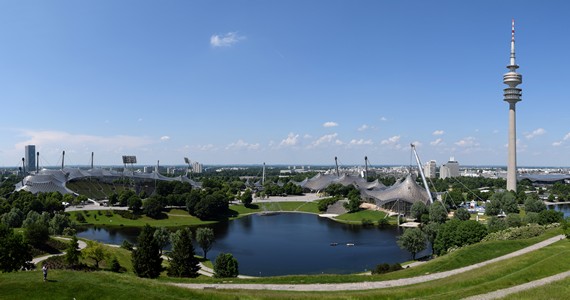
127 245
516 233
108 213
366 222
127 214
383 222
115 265
386 268
531 218
496 224
225 266
549 217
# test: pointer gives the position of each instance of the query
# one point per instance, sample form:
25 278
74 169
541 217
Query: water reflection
290 243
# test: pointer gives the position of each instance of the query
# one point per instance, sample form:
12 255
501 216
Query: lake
289 243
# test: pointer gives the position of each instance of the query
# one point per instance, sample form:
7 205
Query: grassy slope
372 215
103 285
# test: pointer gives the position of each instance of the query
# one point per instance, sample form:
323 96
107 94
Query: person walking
45 271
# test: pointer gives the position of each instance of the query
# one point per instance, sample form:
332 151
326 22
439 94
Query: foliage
225 266
502 202
462 214
531 217
549 217
565 225
115 265
495 224
162 237
95 251
183 262
412 240
533 204
58 223
146 258
135 203
383 222
72 253
14 218
14 251
127 214
386 268
127 245
152 207
470 232
431 230
354 201
211 206
514 220
324 203
205 238
456 233
247 197
80 217
418 209
36 234
337 189
437 212
516 233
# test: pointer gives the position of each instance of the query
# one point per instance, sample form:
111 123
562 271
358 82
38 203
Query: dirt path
353 286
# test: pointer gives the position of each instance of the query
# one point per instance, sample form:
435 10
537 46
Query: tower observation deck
512 95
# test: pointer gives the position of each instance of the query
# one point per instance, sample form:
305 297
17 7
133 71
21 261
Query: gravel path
519 288
82 245
353 286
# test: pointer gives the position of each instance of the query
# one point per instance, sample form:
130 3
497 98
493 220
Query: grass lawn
174 218
357 217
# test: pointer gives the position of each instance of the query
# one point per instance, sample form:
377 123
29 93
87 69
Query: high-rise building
30 157
512 96
197 167
449 169
430 169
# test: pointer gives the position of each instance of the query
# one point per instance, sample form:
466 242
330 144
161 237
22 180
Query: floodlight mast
336 163
422 173
366 167
38 163
92 153
62 159
263 175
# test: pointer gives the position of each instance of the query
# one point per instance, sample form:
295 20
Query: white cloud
559 143
467 142
383 119
535 133
240 144
307 136
438 132
225 40
291 140
567 136
164 138
436 142
360 142
327 139
330 124
363 127
391 141
556 144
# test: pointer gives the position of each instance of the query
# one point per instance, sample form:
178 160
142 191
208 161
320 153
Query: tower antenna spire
513 64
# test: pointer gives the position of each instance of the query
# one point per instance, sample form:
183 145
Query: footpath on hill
355 286
82 245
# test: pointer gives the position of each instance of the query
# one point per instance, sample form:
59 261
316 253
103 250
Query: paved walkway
82 245
355 286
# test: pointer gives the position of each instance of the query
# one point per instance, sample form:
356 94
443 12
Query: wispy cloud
438 132
436 142
391 141
327 139
564 139
360 142
383 119
291 140
467 142
226 40
363 127
535 133
164 138
240 144
330 124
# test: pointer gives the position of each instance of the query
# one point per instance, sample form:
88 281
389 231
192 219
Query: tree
514 220
58 223
470 232
135 203
462 214
550 216
152 207
183 263
354 201
14 218
502 202
437 213
162 237
146 258
534 205
95 251
225 266
418 209
412 240
430 230
205 238
14 252
495 224
36 235
246 197
72 252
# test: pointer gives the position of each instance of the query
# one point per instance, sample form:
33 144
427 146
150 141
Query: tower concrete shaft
512 96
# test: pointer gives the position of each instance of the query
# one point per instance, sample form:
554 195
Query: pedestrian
45 271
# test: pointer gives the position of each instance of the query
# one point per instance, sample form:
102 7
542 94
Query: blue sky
281 82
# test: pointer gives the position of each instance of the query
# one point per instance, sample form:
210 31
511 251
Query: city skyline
289 83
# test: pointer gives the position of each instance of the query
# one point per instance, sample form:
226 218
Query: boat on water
349 244
334 244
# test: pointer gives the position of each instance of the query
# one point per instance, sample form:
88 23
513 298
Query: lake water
565 208
289 243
